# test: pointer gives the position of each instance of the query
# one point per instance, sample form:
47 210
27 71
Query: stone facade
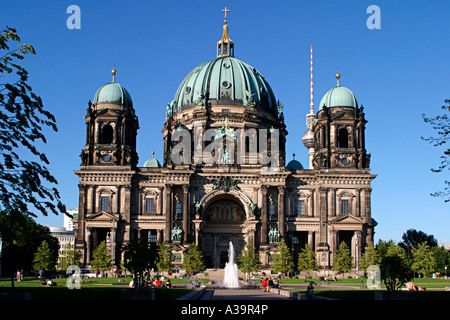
237 197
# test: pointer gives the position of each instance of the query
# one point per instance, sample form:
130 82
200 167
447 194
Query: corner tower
111 128
339 131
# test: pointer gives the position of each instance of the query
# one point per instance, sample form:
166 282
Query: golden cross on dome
226 122
226 11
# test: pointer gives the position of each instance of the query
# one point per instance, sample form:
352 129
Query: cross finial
226 10
226 122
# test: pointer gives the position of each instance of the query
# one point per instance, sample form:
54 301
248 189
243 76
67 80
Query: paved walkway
241 294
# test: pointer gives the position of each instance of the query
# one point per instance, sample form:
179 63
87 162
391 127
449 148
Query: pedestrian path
244 294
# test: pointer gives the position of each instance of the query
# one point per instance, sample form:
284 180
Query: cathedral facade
224 175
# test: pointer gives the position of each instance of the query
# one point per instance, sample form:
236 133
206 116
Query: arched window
107 134
343 138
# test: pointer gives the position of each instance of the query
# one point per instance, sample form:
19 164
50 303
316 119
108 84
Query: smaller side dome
338 97
294 164
152 162
113 92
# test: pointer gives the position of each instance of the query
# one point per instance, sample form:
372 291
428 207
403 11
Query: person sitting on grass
50 283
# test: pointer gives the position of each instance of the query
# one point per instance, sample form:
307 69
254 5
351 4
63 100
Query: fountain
230 277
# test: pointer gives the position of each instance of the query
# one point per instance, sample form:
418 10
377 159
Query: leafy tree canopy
23 171
441 124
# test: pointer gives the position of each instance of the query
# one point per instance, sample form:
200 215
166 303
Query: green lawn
91 289
111 289
435 289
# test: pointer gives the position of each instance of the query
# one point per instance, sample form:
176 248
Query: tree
395 271
249 260
370 257
423 260
164 258
138 257
306 259
44 259
68 257
282 260
193 259
412 238
101 259
21 238
343 260
441 257
23 171
441 124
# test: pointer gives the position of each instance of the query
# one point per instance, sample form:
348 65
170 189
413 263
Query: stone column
82 208
311 239
127 214
113 244
93 199
323 247
264 215
311 204
168 211
332 199
88 244
367 205
323 215
281 222
185 213
357 205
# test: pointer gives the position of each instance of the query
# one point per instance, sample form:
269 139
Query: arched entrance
224 216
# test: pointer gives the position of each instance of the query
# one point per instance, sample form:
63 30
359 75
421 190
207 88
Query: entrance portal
223 223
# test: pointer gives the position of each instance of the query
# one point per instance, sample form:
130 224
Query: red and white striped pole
311 110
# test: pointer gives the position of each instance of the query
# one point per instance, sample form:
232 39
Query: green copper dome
152 163
113 92
224 80
338 97
294 165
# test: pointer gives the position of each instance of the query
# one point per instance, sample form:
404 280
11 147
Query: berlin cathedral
224 175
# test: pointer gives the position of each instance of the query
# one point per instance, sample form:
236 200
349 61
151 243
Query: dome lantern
225 46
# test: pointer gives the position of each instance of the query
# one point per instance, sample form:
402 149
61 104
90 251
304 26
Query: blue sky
397 72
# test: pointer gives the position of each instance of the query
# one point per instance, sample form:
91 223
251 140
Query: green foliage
138 257
44 259
343 259
441 124
193 259
413 238
370 257
283 260
164 258
423 260
395 270
249 260
68 256
21 237
101 259
441 257
22 120
306 259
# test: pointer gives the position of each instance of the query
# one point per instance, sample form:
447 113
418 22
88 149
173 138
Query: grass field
350 289
110 289
91 289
